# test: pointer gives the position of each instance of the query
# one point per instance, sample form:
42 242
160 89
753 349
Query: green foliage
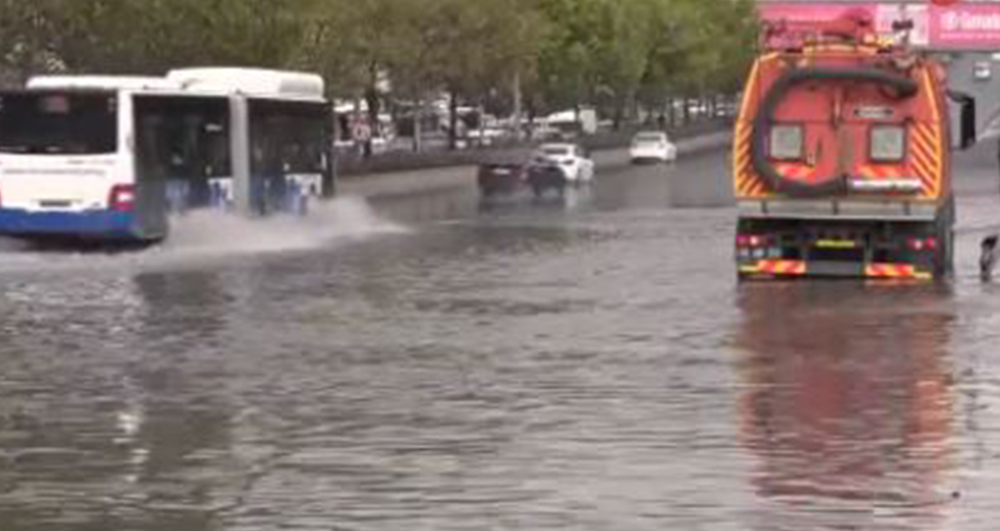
563 53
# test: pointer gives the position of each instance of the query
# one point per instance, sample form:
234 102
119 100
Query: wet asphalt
424 361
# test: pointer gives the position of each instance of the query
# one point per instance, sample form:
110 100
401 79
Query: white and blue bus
112 158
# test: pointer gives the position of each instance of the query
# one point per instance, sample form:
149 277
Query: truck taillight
122 198
752 241
922 244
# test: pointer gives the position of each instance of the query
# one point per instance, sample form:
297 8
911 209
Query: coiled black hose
904 87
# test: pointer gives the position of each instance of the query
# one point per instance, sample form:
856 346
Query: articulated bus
111 159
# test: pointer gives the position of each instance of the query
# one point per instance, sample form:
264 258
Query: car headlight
787 142
888 143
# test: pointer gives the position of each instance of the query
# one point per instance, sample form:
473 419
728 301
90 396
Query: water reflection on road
850 405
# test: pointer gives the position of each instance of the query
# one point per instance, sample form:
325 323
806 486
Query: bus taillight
122 198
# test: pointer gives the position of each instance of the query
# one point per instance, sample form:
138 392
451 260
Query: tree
24 47
567 70
624 43
150 36
699 48
556 53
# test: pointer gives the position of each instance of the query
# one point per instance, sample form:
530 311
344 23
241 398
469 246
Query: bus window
59 123
289 137
183 141
290 142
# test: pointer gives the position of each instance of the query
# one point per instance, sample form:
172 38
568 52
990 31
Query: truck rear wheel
945 260
946 236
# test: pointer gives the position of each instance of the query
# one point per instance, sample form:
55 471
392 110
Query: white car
652 146
570 160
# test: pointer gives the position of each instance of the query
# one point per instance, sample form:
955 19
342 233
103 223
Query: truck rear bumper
865 249
775 269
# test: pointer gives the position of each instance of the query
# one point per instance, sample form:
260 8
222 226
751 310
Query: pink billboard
966 26
960 26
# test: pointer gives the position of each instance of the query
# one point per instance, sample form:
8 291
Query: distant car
556 166
652 147
502 176
486 137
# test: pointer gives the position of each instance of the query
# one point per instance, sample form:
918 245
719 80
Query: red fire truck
842 156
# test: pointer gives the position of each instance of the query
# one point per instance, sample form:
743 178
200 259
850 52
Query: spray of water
217 233
208 235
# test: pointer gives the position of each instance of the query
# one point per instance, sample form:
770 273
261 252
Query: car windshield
58 123
649 138
555 151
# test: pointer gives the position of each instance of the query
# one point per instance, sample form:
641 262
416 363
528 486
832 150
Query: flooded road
427 364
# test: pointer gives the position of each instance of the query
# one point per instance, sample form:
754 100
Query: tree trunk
518 105
482 125
453 121
374 109
417 125
532 115
636 109
371 97
687 111
354 123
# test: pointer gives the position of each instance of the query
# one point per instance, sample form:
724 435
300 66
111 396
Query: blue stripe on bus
98 223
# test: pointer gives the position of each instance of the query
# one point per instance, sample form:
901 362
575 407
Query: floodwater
422 363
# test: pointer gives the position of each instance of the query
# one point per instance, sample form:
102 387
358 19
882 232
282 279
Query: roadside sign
362 132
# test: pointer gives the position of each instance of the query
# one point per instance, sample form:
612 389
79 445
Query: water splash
207 235
216 233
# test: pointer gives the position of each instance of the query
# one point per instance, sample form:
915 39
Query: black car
503 176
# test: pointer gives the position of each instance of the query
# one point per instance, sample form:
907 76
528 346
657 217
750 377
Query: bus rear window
58 123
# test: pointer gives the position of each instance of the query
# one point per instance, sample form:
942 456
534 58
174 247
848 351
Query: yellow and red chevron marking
868 172
777 267
925 157
796 171
880 172
896 271
742 162
747 182
927 143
